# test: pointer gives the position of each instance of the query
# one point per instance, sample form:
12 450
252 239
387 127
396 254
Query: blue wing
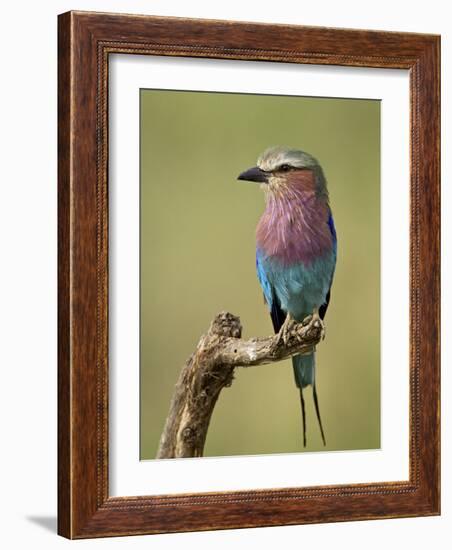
263 280
324 307
277 314
332 229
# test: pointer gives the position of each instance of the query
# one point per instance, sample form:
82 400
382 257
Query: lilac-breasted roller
296 248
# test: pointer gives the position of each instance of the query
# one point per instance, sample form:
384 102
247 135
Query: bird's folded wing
277 314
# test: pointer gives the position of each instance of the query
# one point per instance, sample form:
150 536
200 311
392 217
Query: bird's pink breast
294 227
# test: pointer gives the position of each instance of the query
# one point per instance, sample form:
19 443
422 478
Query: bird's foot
284 331
317 322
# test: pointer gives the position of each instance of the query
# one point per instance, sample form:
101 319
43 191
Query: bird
296 250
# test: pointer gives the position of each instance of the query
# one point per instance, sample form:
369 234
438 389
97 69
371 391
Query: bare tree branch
211 368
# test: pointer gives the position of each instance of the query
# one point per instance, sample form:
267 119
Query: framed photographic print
248 275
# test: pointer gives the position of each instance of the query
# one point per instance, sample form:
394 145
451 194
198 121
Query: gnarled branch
211 368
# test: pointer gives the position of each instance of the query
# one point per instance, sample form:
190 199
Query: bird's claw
317 322
284 331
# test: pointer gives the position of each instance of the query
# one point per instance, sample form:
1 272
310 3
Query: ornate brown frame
84 44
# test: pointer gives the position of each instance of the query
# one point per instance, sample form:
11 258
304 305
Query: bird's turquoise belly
300 288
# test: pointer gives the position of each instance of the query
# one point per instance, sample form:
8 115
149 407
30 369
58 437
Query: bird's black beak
254 174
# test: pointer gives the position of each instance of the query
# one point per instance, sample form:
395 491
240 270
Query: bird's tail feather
303 416
317 412
304 372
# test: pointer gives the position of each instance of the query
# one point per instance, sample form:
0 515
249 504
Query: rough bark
211 368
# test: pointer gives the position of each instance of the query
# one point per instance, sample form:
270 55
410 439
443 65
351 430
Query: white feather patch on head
274 157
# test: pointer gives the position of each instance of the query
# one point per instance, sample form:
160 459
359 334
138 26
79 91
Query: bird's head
280 169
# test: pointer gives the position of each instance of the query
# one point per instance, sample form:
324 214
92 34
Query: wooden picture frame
85 42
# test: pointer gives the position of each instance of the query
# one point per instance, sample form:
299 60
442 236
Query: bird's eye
285 167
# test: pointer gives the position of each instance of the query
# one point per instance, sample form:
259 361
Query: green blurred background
198 258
